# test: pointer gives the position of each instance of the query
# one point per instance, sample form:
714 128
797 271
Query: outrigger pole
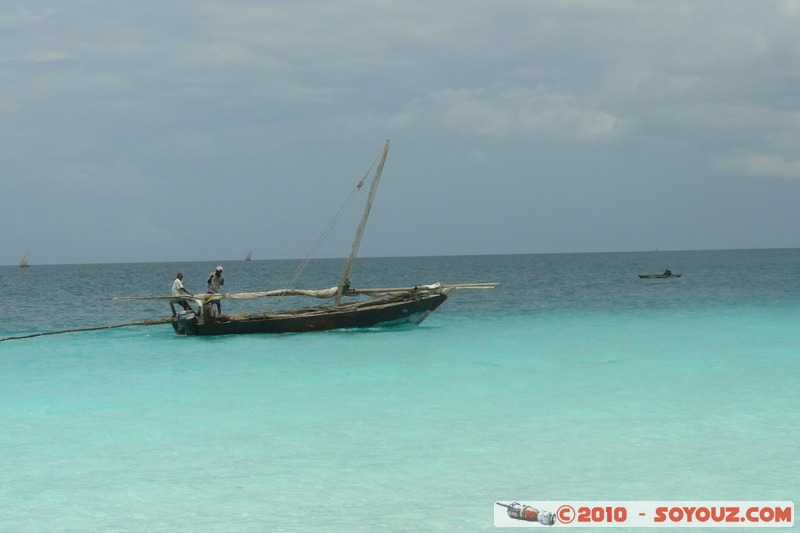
150 322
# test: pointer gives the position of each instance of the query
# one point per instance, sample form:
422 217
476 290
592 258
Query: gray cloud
548 126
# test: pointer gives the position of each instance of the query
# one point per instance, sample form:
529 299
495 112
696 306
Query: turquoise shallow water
573 380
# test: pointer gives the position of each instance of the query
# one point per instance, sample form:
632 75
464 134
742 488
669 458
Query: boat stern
185 323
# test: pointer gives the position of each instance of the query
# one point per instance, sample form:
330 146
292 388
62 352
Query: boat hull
377 313
658 276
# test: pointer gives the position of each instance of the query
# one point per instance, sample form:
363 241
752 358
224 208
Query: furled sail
321 293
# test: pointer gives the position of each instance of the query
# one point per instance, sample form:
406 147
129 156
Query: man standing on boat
215 281
179 290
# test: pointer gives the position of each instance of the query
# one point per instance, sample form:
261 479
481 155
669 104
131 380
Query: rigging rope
331 225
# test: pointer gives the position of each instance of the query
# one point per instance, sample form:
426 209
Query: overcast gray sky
200 129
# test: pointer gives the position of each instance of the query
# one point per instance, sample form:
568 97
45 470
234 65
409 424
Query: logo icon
527 513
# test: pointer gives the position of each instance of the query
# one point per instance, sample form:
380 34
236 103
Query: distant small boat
249 256
24 262
666 274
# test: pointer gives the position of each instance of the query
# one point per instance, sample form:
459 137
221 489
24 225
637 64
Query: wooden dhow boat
371 307
384 308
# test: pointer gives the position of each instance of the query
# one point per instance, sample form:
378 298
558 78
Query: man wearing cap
215 281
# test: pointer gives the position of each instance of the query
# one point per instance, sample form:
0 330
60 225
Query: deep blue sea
572 380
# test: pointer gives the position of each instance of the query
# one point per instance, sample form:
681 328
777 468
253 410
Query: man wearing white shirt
179 290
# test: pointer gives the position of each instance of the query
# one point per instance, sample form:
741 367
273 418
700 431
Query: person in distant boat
179 290
667 272
215 281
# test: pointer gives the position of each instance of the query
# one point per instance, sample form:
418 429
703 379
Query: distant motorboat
24 262
666 274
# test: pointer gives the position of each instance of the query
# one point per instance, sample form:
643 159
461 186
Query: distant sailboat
24 262
249 256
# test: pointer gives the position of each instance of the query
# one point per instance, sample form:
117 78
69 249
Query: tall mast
362 224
